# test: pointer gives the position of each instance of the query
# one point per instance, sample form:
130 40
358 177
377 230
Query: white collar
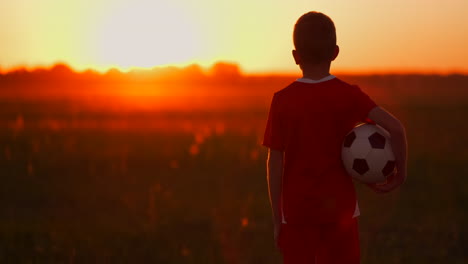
324 79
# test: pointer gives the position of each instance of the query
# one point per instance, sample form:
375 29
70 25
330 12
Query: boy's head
314 39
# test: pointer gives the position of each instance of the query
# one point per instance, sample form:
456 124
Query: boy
312 197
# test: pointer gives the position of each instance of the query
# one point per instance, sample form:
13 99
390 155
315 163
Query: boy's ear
337 51
296 56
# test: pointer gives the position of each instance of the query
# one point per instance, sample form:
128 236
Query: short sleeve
362 104
273 137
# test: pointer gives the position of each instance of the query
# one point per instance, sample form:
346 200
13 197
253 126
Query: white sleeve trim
357 212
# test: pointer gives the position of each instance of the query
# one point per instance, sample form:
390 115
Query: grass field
82 184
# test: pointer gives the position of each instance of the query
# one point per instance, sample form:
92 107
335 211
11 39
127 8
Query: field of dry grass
97 179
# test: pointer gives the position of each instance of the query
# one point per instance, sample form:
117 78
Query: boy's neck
316 72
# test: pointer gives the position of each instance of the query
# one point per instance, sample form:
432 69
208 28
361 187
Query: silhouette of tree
226 70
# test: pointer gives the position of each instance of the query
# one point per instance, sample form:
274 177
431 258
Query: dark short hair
315 38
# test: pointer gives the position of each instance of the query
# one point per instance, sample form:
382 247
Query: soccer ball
367 154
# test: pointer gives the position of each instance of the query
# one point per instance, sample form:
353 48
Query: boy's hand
393 182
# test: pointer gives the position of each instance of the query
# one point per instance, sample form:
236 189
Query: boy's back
312 197
308 121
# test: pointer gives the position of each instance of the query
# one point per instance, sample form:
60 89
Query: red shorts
331 243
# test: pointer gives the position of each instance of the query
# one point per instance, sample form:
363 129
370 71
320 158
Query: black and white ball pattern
367 154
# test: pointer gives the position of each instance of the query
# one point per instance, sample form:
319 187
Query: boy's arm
274 177
399 146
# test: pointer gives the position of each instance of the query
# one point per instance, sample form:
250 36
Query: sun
146 33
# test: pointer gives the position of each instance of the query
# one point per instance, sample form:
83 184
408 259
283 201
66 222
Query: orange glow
374 36
244 221
194 149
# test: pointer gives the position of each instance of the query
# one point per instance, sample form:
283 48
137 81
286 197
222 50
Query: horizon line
207 69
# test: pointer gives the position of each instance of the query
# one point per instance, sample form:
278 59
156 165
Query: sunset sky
374 35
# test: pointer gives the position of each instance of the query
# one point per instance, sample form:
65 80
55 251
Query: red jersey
308 120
